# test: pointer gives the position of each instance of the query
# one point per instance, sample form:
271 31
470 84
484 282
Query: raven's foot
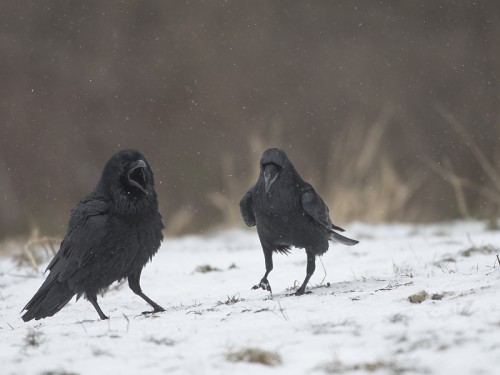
264 284
150 312
157 309
300 292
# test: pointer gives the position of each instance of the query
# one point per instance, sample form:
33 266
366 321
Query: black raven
112 234
287 212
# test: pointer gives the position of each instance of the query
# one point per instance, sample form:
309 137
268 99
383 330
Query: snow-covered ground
357 320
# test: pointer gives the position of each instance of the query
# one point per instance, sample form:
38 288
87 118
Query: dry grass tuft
32 256
236 183
33 339
255 355
489 189
478 250
163 341
368 186
386 367
231 300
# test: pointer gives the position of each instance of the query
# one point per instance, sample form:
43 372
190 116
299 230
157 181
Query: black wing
246 208
86 232
314 206
87 235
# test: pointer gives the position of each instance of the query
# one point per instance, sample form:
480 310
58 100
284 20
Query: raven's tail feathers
49 299
334 227
342 239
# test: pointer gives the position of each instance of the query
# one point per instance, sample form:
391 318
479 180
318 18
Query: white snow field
358 320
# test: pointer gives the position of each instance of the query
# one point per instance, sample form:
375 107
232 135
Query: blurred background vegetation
390 109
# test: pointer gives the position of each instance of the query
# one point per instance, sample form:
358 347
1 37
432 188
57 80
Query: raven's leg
93 300
133 283
311 266
268 256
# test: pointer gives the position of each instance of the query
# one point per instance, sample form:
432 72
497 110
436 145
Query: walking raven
287 212
112 234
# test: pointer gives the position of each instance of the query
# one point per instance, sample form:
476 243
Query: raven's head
128 174
272 163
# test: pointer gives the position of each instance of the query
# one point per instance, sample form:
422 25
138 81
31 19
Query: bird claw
264 285
153 312
300 292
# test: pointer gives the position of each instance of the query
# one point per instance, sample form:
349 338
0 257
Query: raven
112 233
287 212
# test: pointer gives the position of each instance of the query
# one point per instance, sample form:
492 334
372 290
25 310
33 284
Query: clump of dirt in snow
418 297
205 268
440 296
423 295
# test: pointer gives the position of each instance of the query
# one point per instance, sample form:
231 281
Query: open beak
137 175
271 172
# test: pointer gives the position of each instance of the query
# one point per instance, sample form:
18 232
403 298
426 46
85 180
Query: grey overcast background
390 109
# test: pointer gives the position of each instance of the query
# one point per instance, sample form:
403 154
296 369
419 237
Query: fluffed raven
112 234
287 212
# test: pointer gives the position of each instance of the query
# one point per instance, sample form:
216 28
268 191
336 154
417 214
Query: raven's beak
137 175
271 172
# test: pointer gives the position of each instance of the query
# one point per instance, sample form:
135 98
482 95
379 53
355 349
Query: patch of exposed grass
427 342
262 310
471 251
33 339
164 341
418 297
440 296
36 250
195 312
205 268
465 311
231 300
444 260
390 367
402 270
449 259
99 352
255 355
478 250
392 286
331 327
399 318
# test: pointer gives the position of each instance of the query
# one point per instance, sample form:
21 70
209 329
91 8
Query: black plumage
288 212
112 234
